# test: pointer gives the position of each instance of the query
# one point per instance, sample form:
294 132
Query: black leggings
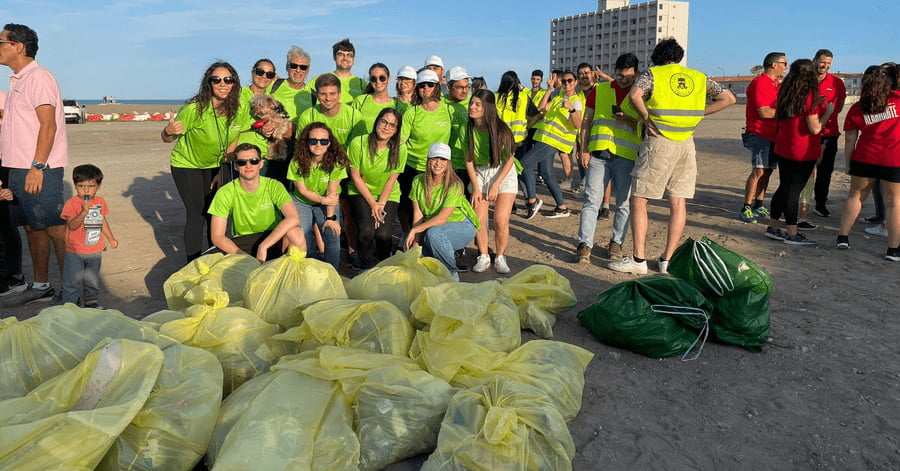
792 176
193 186
373 245
825 169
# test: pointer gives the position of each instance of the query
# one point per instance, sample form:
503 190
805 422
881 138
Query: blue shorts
38 211
762 153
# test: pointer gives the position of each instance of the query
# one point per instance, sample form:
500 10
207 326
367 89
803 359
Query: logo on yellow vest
681 84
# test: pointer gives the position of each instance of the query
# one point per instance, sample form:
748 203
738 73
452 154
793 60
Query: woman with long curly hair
443 221
204 130
489 145
318 166
801 115
872 131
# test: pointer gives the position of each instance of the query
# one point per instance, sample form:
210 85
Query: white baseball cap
434 60
407 72
457 73
427 76
439 150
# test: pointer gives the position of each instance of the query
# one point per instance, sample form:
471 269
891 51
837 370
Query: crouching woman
443 220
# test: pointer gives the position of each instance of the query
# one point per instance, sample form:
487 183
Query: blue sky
150 49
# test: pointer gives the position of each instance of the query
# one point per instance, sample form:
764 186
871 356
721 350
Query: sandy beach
823 394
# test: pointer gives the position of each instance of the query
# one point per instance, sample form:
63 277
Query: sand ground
823 394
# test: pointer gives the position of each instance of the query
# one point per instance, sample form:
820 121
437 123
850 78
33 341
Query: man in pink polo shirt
34 149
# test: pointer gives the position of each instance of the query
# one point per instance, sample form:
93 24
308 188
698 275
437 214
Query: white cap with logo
439 150
457 73
434 60
407 72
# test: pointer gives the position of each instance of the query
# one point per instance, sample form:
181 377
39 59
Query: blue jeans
315 213
81 271
599 173
543 156
441 241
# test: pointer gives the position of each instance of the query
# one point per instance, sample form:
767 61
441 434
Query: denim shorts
38 211
761 151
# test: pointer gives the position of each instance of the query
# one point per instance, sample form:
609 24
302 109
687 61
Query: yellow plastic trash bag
281 288
502 425
540 292
37 349
70 421
173 428
397 407
231 271
284 420
557 368
159 318
232 334
399 279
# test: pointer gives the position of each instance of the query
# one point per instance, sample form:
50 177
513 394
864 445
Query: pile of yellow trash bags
316 372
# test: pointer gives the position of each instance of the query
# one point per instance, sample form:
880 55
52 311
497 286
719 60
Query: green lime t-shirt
351 87
374 172
456 199
481 149
317 181
423 128
295 101
251 213
368 108
345 125
205 138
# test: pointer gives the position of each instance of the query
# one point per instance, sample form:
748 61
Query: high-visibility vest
536 96
608 133
556 129
678 100
517 119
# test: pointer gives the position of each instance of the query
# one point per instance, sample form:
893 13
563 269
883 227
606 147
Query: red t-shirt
879 134
834 90
793 140
621 93
87 239
762 91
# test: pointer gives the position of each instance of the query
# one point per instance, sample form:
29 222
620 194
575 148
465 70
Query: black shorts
881 172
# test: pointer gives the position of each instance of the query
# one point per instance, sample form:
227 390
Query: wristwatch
40 166
333 217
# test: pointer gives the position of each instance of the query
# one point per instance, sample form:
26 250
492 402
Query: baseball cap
434 60
407 72
427 76
439 150
457 73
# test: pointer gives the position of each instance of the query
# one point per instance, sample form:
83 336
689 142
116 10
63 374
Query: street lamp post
723 71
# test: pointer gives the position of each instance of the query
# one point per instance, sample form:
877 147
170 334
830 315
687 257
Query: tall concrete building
599 37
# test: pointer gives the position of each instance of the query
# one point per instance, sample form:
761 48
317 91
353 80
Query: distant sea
125 101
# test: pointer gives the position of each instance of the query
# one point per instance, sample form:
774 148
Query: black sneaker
843 242
775 234
39 295
12 286
872 219
806 226
822 211
559 213
533 209
893 254
798 239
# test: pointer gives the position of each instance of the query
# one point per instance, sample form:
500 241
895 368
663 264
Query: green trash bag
281 288
231 271
657 316
70 421
502 425
540 292
737 289
399 279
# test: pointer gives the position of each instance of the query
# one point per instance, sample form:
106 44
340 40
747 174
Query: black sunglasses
270 74
322 142
378 78
298 66
425 84
242 162
215 80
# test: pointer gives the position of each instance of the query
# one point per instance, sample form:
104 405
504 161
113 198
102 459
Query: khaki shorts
663 165
487 175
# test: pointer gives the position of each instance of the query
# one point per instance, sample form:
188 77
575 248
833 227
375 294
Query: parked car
74 112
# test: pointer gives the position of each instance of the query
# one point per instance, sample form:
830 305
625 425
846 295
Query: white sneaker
877 230
482 263
501 265
663 265
628 265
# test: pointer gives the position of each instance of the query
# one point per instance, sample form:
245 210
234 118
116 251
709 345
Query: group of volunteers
792 125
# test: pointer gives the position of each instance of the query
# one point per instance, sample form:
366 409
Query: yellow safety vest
608 133
556 129
536 96
517 120
678 100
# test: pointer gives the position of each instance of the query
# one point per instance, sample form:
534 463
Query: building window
660 29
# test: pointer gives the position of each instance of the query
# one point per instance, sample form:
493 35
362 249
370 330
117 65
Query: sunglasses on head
322 142
242 162
298 66
270 74
215 80
378 78
425 84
